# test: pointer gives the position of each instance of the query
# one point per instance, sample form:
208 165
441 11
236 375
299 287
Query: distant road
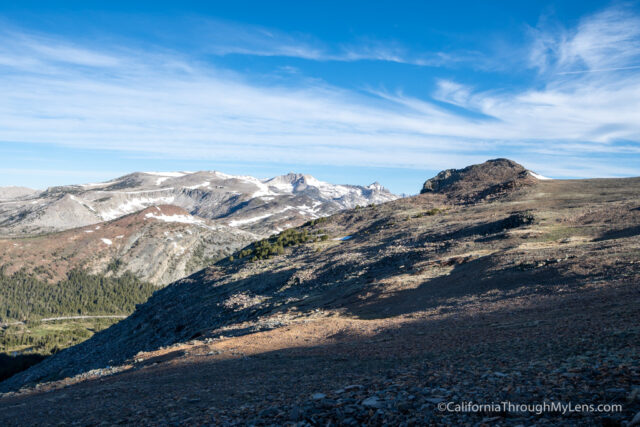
2 325
83 317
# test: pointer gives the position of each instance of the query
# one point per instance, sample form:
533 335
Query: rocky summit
478 182
493 285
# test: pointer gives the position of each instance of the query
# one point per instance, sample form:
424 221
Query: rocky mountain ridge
259 206
204 216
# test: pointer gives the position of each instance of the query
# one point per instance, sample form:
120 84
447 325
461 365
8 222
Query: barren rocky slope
160 244
520 290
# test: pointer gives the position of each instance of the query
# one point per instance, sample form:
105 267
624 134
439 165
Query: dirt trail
50 319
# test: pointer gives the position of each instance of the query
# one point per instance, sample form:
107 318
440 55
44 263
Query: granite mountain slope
159 244
205 216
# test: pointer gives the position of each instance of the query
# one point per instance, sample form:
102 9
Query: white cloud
226 38
55 91
452 92
606 41
29 52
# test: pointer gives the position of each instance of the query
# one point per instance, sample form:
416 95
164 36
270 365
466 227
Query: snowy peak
376 186
292 182
348 195
260 206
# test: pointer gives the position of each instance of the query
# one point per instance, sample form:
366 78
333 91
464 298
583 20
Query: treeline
23 296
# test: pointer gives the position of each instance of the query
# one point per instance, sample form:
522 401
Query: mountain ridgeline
160 226
261 206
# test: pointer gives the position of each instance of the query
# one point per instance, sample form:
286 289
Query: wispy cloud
602 70
162 103
606 41
453 93
227 38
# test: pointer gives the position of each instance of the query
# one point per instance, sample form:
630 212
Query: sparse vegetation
266 248
430 212
45 338
315 221
559 232
114 265
199 259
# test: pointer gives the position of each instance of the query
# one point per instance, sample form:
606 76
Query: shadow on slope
520 342
619 234
11 365
468 283
198 305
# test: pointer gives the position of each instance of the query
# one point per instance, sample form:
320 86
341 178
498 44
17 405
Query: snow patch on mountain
185 219
168 174
239 222
134 205
538 176
194 187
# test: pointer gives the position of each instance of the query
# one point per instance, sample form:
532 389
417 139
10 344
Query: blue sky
351 93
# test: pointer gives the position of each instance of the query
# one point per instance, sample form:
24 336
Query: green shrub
266 248
114 265
315 221
430 212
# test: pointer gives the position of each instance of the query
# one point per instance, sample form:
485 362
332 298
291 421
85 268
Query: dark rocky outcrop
489 180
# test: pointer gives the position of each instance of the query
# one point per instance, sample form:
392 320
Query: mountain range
160 226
